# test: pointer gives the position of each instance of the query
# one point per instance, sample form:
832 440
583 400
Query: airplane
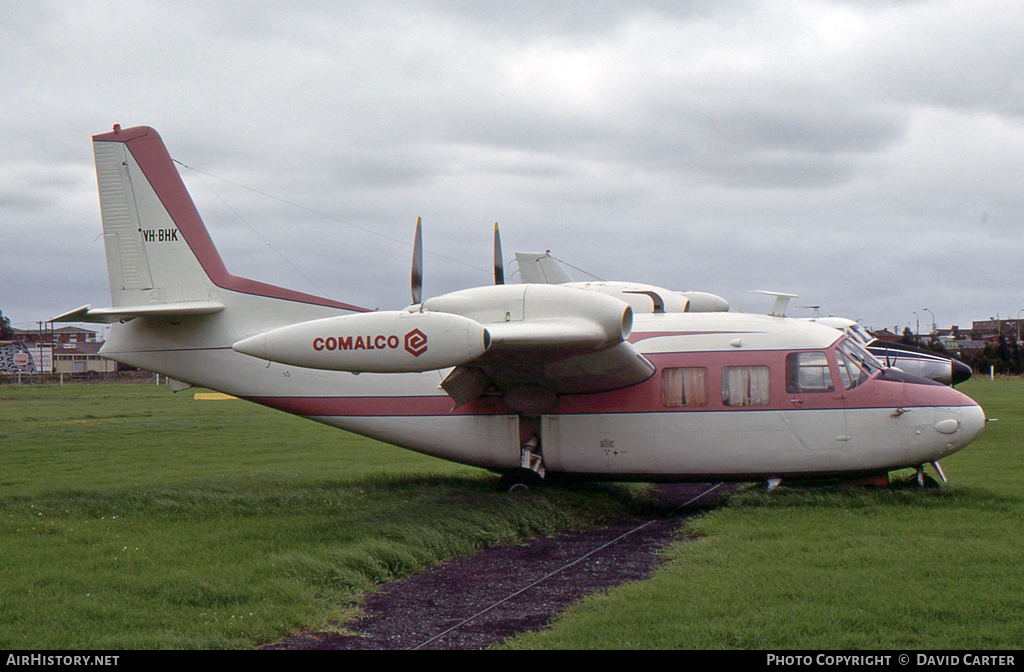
544 268
531 381
918 361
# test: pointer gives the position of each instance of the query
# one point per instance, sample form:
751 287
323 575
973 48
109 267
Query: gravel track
512 589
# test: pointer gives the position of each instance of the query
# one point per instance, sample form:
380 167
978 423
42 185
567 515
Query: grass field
133 518
841 569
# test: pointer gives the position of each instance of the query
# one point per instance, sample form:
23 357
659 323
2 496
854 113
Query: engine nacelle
379 342
556 317
703 302
641 298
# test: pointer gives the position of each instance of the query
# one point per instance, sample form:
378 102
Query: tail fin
158 249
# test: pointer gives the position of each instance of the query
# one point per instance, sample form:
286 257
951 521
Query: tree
6 333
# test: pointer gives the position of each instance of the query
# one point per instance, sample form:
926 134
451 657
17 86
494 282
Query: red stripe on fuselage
381 406
646 397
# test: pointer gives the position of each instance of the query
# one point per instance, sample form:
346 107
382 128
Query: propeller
417 265
499 264
417 262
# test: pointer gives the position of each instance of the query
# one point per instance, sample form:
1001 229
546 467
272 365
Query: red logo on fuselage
416 342
378 342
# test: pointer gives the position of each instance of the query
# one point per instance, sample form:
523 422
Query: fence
89 377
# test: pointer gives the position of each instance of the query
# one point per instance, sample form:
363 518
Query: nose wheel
923 480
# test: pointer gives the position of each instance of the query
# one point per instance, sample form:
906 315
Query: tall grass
835 568
131 518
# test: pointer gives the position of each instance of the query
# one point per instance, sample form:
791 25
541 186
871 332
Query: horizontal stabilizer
123 313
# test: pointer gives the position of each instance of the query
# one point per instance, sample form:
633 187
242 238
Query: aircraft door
873 430
815 406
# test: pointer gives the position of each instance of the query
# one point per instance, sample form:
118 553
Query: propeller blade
499 263
417 265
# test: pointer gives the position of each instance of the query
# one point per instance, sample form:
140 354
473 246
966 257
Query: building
990 329
65 350
886 336
81 358
50 335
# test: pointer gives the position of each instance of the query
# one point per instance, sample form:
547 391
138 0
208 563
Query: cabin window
745 385
808 372
684 387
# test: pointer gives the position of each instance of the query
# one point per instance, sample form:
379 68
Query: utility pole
934 329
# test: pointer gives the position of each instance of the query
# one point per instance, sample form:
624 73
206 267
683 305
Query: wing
527 343
545 340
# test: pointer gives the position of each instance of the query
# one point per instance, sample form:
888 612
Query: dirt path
413 613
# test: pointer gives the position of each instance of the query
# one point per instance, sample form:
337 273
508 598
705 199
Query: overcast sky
868 156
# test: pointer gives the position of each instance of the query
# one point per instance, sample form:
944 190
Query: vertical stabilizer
158 249
541 268
149 256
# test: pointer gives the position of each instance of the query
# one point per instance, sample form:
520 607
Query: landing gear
531 471
531 458
519 480
922 480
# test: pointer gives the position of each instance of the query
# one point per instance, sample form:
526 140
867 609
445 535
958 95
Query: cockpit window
863 357
851 374
860 333
856 364
808 372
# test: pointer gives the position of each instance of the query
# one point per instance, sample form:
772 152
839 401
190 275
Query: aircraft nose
961 372
972 421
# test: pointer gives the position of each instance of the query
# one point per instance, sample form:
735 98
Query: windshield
864 356
856 364
859 333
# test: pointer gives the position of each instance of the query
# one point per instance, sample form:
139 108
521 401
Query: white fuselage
552 378
873 427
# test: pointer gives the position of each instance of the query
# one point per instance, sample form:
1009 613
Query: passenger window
808 372
684 387
745 385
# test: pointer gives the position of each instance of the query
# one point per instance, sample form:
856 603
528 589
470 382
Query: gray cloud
862 154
